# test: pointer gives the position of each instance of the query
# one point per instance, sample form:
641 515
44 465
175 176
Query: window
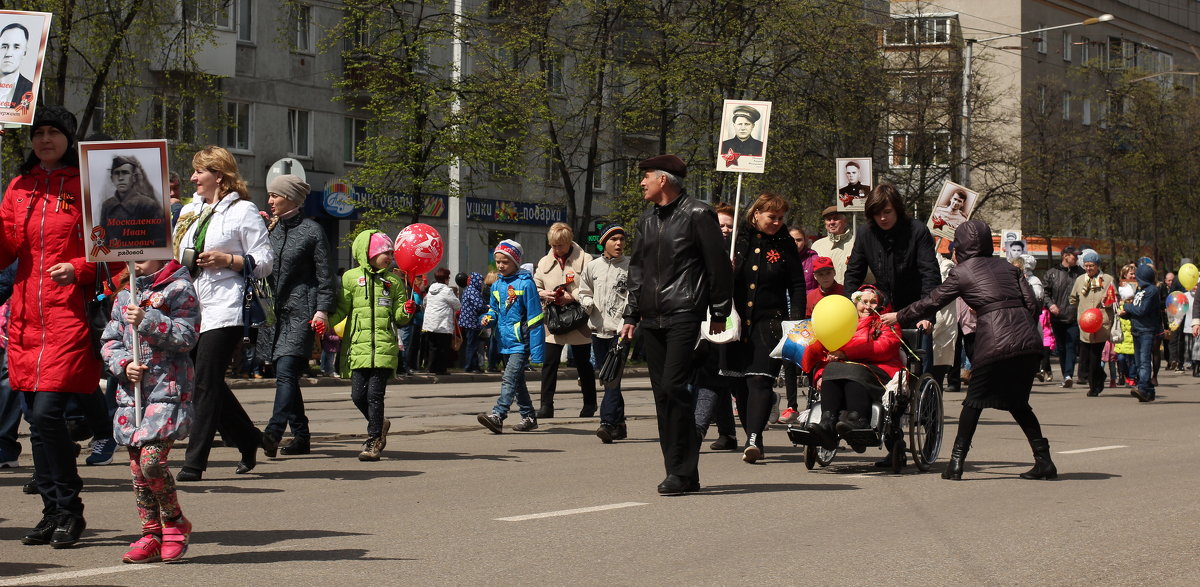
598 179
1066 106
1066 46
237 126
1087 111
352 139
173 118
898 150
550 166
554 73
1084 50
931 148
300 133
245 20
302 28
1116 53
914 31
1039 42
358 37
218 13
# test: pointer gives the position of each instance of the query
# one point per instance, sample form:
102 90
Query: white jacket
235 228
603 291
440 305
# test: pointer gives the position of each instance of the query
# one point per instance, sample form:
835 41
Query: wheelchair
913 410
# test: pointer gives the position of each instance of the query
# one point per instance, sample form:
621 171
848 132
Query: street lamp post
969 56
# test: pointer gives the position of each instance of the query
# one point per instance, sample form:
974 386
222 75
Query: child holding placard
166 319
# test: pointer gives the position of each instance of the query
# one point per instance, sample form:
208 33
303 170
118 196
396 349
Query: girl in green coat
374 302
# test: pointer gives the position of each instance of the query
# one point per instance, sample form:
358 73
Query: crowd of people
988 324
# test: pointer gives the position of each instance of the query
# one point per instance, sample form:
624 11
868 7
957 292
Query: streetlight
964 150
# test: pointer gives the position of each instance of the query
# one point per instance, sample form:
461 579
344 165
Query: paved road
434 510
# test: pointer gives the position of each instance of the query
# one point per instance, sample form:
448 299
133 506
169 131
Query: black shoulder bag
258 301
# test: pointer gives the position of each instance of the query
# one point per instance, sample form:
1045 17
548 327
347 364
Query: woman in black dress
767 273
1007 343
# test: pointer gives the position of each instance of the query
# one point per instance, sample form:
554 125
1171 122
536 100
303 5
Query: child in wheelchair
854 376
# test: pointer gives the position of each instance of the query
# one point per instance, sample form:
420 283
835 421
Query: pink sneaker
788 416
175 539
146 550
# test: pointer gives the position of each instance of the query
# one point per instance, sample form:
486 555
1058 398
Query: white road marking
46 578
598 508
1098 448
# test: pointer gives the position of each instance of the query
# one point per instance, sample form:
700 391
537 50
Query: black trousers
367 388
54 469
214 407
583 364
669 357
1091 365
439 351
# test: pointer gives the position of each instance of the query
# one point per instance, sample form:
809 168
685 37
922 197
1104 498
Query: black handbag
258 301
565 318
614 363
98 309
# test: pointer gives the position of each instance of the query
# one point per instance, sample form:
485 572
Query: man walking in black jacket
1058 283
679 274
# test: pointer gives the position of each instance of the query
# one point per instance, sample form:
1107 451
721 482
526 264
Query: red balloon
1091 321
418 249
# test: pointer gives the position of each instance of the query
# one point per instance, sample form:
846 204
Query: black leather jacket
679 267
1058 283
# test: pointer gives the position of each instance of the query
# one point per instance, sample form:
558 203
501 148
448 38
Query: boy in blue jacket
516 312
1144 312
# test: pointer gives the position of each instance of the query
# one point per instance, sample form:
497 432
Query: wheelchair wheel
815 455
926 421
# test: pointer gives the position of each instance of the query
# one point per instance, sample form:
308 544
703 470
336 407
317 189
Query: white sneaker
774 419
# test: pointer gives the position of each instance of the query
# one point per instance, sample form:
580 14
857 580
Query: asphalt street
451 503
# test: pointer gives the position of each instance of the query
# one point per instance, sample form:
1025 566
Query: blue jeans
329 361
406 356
10 411
54 469
494 357
612 407
289 403
1143 347
1127 366
470 349
1066 339
512 386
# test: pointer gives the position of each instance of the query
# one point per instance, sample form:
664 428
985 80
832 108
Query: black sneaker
30 487
491 421
620 432
605 433
1067 383
724 443
526 424
70 527
42 532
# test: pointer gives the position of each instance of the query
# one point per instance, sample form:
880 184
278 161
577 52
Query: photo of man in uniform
744 118
854 193
128 216
14 45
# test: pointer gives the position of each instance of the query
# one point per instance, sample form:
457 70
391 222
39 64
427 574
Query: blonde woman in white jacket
603 292
223 227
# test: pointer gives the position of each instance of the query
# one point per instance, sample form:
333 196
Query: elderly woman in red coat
853 376
50 354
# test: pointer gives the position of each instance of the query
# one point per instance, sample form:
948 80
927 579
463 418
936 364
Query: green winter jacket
373 299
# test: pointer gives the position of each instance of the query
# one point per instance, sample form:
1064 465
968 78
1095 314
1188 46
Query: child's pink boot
175 539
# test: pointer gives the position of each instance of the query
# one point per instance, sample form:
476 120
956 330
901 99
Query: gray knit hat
290 187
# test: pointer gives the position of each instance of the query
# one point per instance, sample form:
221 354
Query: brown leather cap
831 210
669 163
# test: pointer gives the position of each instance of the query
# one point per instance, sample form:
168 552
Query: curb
427 378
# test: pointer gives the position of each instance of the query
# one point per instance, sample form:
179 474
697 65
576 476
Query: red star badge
730 158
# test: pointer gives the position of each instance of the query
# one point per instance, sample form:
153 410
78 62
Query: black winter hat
59 118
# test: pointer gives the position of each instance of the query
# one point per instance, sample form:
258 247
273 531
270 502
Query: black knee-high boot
1043 467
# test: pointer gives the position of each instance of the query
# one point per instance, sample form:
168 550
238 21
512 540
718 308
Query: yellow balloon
834 321
340 328
1188 276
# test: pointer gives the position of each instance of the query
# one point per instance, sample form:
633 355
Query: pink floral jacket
166 337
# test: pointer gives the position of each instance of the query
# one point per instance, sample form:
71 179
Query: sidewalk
564 374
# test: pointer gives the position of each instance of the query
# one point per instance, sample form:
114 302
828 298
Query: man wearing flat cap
304 297
838 242
679 275
744 118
